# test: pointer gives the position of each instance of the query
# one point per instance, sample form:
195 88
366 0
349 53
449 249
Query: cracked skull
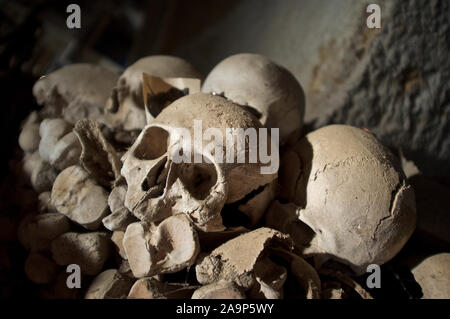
159 186
74 92
351 201
267 89
125 107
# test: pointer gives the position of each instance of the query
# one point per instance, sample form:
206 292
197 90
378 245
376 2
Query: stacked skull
114 200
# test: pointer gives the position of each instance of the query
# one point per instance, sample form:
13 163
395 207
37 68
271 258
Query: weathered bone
120 216
109 284
236 259
66 152
98 157
37 231
75 92
152 288
51 130
77 196
117 238
219 290
89 250
166 248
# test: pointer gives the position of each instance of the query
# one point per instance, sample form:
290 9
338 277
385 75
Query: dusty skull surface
125 107
158 186
271 91
74 92
352 200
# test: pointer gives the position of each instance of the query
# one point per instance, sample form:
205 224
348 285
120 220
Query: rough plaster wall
393 81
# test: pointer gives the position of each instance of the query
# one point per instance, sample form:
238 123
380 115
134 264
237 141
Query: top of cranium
83 84
126 103
353 195
213 111
271 90
163 66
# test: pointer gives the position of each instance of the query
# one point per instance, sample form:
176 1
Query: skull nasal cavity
198 179
153 144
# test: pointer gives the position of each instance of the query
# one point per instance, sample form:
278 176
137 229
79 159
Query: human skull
159 187
352 201
270 90
75 92
125 107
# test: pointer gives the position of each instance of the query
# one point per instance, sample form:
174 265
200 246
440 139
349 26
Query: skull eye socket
153 144
198 179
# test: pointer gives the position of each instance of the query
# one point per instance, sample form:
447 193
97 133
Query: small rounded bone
433 276
37 231
76 195
29 138
89 250
40 269
30 162
110 284
51 130
42 174
45 203
168 248
116 198
120 216
152 288
66 152
236 259
334 293
219 290
119 220
117 238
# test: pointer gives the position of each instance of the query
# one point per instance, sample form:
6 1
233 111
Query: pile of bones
110 199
